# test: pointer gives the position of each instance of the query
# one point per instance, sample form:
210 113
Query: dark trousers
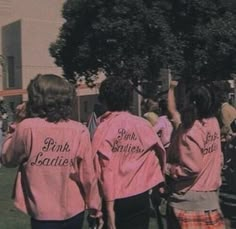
133 212
75 222
172 222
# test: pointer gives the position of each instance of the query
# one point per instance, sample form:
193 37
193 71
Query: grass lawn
11 218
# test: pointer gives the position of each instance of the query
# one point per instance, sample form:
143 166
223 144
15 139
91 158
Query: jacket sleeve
190 161
88 175
13 148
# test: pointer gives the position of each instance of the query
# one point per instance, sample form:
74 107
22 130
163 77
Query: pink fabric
126 145
195 157
164 128
52 157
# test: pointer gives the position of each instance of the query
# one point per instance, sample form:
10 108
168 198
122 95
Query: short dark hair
51 97
115 93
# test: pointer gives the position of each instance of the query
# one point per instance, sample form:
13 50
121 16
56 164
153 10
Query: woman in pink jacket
194 162
131 158
56 180
163 126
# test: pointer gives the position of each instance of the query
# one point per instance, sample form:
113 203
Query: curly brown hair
51 97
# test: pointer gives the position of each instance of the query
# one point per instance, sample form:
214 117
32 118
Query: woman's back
52 152
129 153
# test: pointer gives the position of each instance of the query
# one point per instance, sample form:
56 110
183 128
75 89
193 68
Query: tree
136 38
208 31
127 38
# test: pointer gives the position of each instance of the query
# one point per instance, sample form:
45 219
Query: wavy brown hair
200 103
51 97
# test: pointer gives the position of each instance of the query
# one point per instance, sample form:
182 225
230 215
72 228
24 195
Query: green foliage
208 30
10 217
135 38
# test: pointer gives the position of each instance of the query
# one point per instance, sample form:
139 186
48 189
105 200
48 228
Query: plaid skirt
181 219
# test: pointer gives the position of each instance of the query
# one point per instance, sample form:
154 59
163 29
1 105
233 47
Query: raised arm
175 116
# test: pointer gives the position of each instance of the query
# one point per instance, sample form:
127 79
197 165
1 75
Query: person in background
228 188
56 180
163 126
1 138
131 158
150 109
95 118
227 118
227 112
194 162
4 123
